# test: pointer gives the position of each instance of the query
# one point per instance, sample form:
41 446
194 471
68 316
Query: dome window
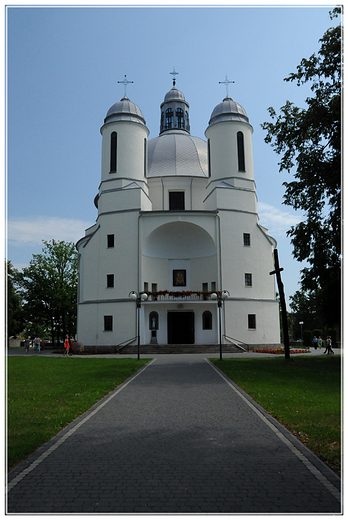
169 118
179 118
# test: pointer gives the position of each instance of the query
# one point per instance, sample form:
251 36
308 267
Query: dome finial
174 74
226 82
125 82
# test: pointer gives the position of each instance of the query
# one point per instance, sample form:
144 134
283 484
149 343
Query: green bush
307 338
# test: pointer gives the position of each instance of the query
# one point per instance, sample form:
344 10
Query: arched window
179 118
153 321
169 118
207 320
240 148
113 152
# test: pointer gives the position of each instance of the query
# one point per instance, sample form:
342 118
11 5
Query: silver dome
177 153
174 95
228 110
125 110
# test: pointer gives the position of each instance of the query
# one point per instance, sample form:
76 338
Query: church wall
124 199
224 198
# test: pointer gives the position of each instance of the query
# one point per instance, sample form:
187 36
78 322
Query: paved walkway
178 437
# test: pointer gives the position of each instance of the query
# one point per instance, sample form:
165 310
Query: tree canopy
49 290
309 143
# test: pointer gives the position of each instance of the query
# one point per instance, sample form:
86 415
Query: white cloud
36 229
276 220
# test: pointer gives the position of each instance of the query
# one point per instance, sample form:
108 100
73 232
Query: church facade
177 254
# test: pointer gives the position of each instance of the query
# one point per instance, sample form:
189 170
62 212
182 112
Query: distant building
177 223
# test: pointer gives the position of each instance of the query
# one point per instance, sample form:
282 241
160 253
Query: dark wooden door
181 328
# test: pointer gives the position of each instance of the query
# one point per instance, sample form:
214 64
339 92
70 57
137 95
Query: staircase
178 349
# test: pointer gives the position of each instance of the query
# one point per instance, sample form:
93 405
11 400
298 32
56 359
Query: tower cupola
174 110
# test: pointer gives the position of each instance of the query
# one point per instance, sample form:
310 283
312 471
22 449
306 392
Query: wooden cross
277 272
125 83
174 74
226 82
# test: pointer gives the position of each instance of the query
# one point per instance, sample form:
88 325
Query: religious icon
179 277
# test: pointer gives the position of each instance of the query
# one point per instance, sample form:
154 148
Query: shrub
307 338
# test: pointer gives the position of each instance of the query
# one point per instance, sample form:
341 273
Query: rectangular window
109 280
251 321
176 200
248 280
246 239
204 287
154 287
107 323
213 286
113 152
179 277
146 286
111 240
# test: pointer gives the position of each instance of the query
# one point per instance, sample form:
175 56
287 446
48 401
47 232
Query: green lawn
304 394
46 394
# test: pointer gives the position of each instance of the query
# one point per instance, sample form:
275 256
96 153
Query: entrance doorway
181 328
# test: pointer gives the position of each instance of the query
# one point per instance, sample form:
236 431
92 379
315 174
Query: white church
177 255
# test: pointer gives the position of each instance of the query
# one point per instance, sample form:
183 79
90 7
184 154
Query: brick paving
178 437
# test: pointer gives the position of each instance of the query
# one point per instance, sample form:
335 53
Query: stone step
178 349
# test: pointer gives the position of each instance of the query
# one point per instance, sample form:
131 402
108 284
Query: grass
304 394
44 395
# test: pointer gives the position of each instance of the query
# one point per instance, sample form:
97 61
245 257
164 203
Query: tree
49 289
15 317
309 141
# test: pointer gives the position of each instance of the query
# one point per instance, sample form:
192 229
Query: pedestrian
27 345
315 342
42 345
320 342
329 345
66 347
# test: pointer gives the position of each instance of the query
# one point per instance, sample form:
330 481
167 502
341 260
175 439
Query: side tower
108 253
246 249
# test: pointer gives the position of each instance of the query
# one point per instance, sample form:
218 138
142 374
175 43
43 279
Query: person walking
329 346
315 342
66 347
320 342
27 345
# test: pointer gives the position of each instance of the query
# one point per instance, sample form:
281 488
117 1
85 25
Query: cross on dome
226 82
125 83
173 73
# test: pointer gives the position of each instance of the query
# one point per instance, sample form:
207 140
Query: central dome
177 153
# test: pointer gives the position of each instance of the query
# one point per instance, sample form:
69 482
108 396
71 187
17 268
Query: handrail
235 343
126 343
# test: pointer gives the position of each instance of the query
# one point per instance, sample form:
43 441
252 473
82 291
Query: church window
176 200
145 156
179 118
209 159
246 239
240 148
153 321
108 323
154 287
111 240
213 286
146 286
169 118
251 321
205 287
187 126
248 280
113 153
109 280
207 320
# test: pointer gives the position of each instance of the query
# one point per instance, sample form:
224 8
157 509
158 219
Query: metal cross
174 74
125 83
226 82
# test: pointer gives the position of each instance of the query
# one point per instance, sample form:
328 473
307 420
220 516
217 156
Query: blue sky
63 65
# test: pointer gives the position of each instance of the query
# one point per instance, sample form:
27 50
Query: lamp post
138 298
301 323
220 297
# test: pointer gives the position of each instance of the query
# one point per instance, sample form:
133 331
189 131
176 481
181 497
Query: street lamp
301 323
220 297
138 298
